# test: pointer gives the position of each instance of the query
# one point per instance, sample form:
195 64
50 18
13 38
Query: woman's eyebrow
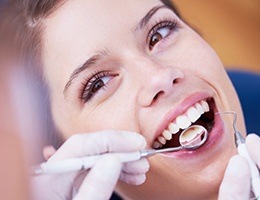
149 15
93 60
96 58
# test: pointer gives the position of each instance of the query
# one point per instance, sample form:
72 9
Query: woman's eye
99 84
94 84
160 32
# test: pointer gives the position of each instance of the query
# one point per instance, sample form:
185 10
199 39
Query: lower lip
214 138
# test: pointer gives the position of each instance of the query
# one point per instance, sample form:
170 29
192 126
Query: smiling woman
131 66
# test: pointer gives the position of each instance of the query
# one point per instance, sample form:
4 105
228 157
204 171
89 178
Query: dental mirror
193 137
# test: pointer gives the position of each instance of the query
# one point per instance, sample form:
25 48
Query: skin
142 87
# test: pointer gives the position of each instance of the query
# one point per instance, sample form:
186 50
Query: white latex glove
236 181
98 182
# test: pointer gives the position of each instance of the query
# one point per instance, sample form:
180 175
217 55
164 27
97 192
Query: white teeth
193 114
182 122
167 135
173 128
205 106
156 144
199 108
162 140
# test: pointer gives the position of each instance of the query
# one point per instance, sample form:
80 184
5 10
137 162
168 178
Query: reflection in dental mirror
190 139
193 137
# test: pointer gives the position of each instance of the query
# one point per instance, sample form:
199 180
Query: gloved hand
98 182
236 181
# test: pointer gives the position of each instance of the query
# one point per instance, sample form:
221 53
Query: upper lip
179 110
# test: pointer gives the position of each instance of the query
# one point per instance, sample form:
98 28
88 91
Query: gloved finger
136 167
101 179
51 186
236 181
132 179
99 142
253 147
78 180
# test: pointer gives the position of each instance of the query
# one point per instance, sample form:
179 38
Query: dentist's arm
100 181
236 181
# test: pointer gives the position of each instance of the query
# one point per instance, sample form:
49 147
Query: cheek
202 60
193 54
208 67
111 115
196 57
205 64
118 112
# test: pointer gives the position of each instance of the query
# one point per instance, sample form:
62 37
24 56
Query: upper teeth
181 122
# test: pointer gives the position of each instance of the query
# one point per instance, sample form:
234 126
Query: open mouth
201 113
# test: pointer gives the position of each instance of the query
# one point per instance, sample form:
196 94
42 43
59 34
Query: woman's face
134 65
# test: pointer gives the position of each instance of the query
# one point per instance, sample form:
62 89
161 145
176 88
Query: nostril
175 81
157 95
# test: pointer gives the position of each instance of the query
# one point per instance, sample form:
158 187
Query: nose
158 82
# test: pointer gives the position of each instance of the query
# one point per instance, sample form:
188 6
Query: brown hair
21 28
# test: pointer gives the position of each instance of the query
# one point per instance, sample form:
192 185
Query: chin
167 183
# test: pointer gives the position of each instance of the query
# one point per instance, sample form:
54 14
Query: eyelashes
99 79
160 31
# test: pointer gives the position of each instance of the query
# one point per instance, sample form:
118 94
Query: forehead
85 26
80 14
87 16
81 22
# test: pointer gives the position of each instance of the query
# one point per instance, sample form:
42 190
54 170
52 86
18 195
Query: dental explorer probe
242 150
77 164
